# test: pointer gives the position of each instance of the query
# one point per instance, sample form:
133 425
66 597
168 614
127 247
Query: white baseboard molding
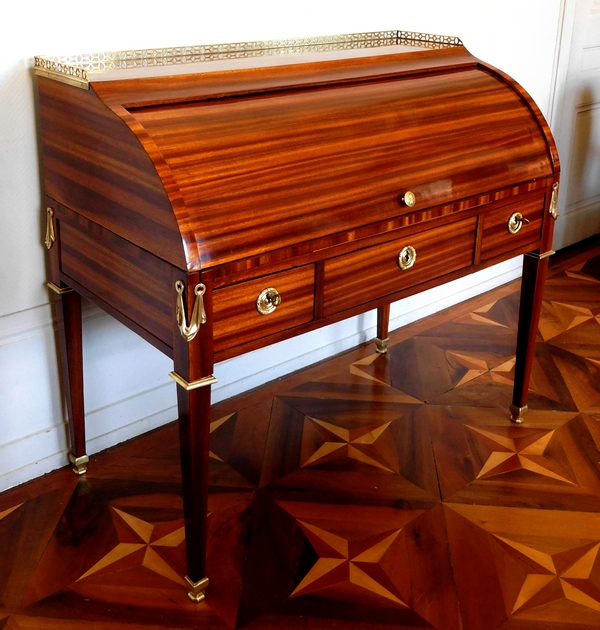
15 327
45 450
131 417
32 456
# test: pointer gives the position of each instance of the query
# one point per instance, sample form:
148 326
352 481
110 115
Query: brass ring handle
407 257
515 222
409 199
268 300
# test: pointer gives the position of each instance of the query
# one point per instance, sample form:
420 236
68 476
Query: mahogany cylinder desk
216 199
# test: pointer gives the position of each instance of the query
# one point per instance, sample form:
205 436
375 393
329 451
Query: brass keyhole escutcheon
407 257
268 300
409 199
515 222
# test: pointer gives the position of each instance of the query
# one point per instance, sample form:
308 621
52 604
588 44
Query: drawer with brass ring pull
380 270
513 226
257 308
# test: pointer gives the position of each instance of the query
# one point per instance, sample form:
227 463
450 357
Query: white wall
575 117
124 399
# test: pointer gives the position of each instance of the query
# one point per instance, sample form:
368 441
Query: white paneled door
576 122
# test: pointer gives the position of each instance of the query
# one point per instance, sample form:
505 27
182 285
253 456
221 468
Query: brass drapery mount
50 234
188 332
554 202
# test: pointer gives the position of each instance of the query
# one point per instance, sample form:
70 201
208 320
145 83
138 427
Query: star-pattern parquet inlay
550 575
369 492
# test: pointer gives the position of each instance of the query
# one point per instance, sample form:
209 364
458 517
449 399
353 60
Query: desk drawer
375 271
237 319
497 237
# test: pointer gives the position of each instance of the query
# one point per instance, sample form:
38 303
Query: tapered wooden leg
535 268
71 350
194 424
383 321
193 373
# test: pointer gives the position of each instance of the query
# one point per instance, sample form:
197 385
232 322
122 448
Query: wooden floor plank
366 492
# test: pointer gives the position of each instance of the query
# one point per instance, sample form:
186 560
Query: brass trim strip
62 73
57 289
547 254
79 463
76 69
197 593
202 382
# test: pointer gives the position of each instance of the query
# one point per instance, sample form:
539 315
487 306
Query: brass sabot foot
516 413
381 345
197 593
79 463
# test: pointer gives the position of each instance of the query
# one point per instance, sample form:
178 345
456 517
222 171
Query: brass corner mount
189 386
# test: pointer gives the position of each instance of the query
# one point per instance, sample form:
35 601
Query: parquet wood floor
367 492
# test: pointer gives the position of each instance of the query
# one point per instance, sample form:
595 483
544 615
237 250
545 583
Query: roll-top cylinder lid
258 156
